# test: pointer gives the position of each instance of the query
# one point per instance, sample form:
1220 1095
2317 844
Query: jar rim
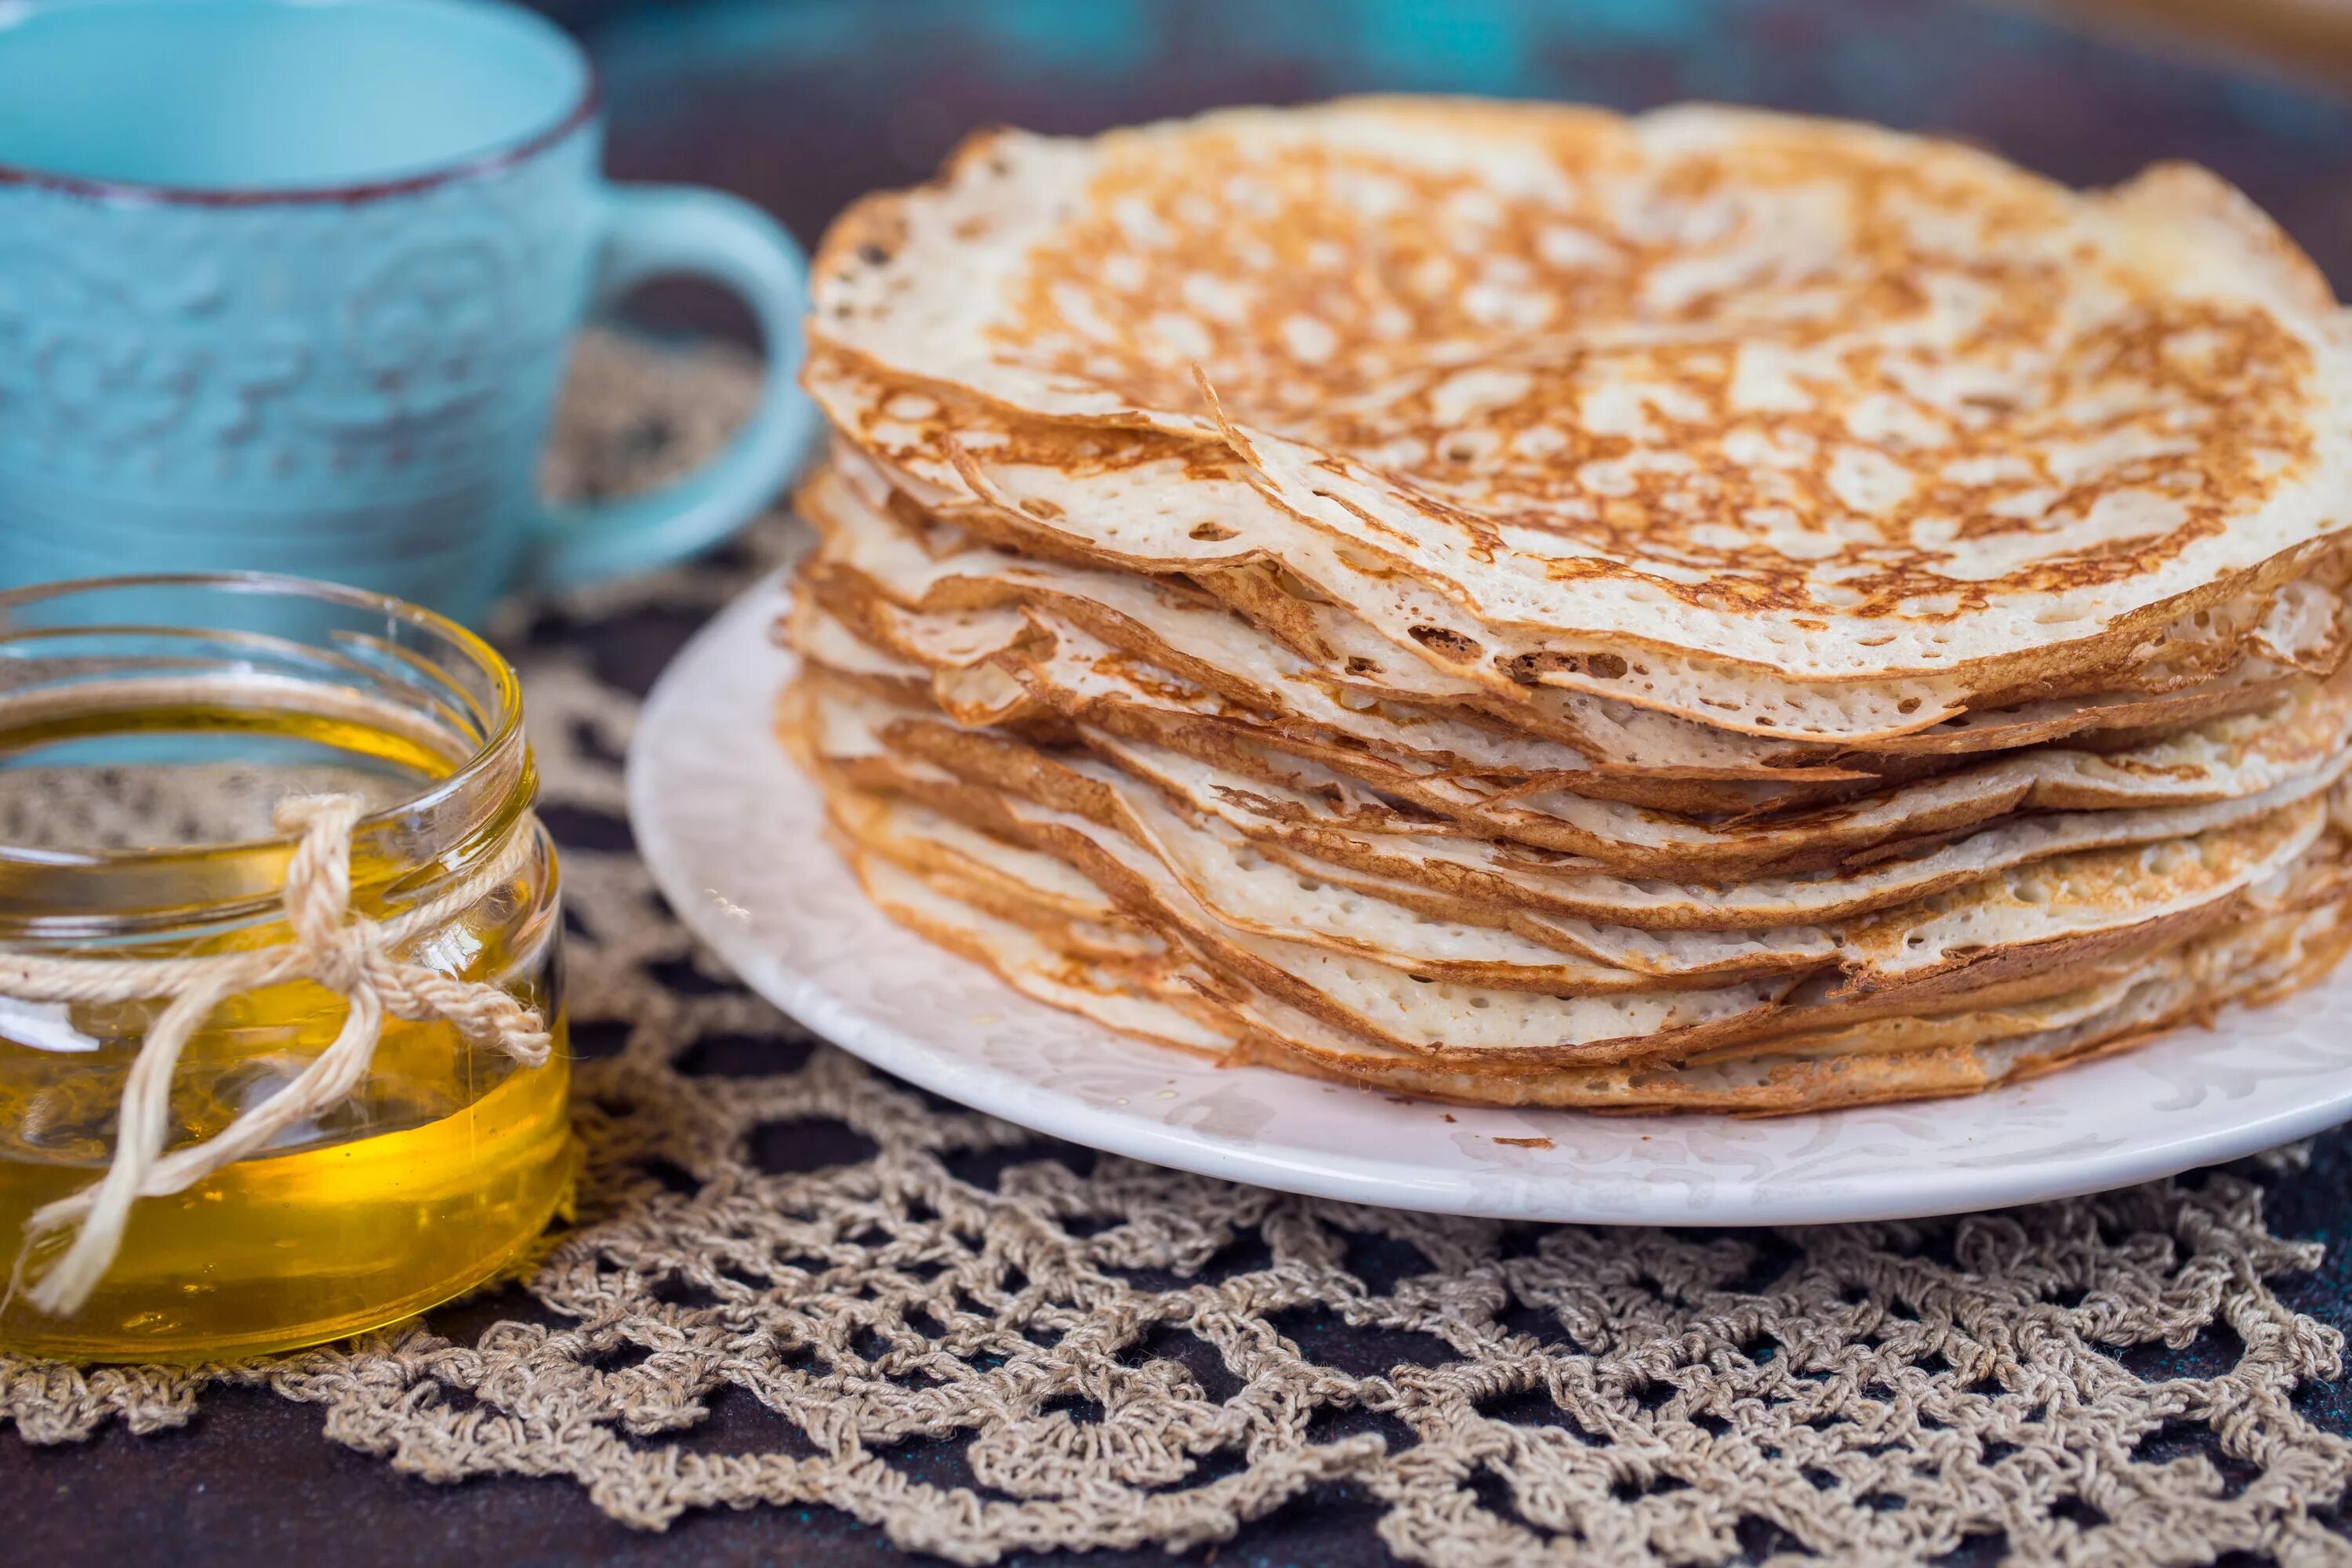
500 720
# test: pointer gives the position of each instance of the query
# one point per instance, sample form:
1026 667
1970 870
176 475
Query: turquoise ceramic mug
288 285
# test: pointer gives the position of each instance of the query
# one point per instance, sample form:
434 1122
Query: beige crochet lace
843 1275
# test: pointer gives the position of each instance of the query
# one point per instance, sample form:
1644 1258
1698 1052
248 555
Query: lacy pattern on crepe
792 1280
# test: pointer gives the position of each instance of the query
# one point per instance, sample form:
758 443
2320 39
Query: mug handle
657 230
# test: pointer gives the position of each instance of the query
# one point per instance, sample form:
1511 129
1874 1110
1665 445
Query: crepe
1160 996
1362 836
1708 611
1025 488
939 597
1583 374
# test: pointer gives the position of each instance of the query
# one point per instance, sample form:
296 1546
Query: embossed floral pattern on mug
261 309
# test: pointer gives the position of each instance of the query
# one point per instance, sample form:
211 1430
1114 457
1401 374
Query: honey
133 825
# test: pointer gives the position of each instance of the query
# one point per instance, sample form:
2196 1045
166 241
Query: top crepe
1810 400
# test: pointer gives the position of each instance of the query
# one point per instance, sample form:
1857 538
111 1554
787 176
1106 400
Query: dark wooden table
802 104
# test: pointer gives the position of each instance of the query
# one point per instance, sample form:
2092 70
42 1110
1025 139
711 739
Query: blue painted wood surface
802 104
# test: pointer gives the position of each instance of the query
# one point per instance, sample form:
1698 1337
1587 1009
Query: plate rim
1900 1195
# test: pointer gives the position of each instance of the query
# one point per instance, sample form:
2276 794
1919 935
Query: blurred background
802 104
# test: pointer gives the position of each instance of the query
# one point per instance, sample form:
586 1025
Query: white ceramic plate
733 833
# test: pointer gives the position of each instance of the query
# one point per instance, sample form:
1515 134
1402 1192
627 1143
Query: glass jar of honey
150 729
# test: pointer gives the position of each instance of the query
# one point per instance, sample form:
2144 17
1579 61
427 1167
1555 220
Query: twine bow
344 952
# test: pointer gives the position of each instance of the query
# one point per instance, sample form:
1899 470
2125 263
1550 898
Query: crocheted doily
795 1280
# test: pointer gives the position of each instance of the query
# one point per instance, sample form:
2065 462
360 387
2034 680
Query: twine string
347 954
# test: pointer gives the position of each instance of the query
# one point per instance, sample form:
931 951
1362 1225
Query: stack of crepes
1526 606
